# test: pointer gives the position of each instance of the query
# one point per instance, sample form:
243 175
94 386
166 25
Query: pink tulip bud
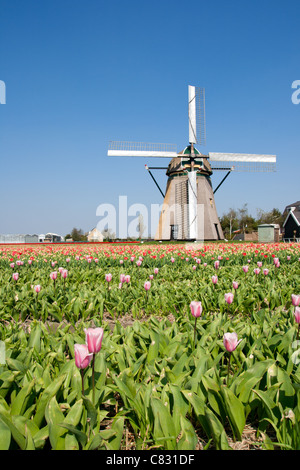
205 264
245 269
12 265
198 261
297 314
37 288
235 284
256 271
138 263
121 261
68 260
288 258
93 339
155 270
60 269
295 300
230 341
172 260
108 277
132 259
266 271
214 279
147 285
151 277
194 268
127 278
82 355
259 264
275 260
96 260
277 264
53 275
122 278
30 262
15 276
196 308
217 264
64 273
229 298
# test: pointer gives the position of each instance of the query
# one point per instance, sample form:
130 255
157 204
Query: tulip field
142 347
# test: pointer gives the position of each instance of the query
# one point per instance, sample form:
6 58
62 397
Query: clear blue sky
79 74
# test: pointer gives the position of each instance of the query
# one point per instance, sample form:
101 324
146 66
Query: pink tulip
205 264
138 263
198 261
277 264
127 278
82 356
194 268
235 284
121 261
172 260
230 341
37 288
276 260
147 285
93 339
288 258
30 262
155 270
297 315
60 269
259 264
245 269
53 275
108 277
266 271
151 277
132 258
256 271
295 300
122 278
15 276
196 308
214 279
217 264
12 265
229 298
64 273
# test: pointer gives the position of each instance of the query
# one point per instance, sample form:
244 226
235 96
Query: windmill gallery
188 211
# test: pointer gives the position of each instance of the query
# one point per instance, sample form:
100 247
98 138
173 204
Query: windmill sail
242 161
141 149
197 128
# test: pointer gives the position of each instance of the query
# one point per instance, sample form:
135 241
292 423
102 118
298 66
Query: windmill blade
141 149
242 162
197 128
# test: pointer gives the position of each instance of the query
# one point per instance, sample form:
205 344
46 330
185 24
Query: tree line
240 220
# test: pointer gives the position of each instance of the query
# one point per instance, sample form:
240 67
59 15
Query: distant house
291 225
95 236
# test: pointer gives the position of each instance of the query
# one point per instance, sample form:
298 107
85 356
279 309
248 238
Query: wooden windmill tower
189 211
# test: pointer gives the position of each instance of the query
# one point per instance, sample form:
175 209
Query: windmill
189 211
